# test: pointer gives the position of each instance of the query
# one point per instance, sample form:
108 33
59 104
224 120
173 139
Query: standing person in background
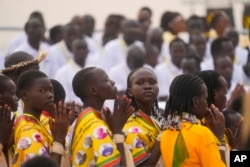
172 24
92 39
135 59
155 37
219 21
145 16
167 71
34 43
185 108
18 40
60 53
240 54
198 41
112 28
152 54
55 34
115 51
80 52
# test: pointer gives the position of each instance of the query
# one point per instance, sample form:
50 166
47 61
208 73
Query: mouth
50 103
148 94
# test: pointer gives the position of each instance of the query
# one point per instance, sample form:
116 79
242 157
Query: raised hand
59 126
6 124
122 111
215 121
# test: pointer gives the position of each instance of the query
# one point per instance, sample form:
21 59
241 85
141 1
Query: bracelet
159 136
118 138
57 148
222 148
222 142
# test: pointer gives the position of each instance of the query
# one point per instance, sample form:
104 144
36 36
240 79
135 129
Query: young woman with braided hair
217 91
185 142
143 128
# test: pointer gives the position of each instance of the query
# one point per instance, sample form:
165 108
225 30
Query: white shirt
119 74
15 42
164 54
241 55
57 56
2 60
165 73
115 52
93 45
246 79
26 47
65 75
237 72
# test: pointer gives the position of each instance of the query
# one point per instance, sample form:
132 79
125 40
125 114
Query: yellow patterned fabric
141 134
200 142
44 119
92 144
31 139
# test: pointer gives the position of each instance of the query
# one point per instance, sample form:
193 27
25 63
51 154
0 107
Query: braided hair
182 90
81 81
211 79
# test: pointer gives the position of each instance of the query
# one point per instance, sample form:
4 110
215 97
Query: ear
215 94
195 102
128 91
23 94
92 90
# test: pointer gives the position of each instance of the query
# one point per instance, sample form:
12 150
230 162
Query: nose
147 85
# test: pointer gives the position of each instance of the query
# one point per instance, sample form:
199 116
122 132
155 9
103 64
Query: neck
34 113
34 43
94 104
81 64
145 107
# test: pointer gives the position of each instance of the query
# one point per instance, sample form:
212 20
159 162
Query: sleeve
209 152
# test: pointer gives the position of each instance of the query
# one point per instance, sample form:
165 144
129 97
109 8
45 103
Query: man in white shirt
240 53
115 51
155 37
222 47
167 71
34 42
119 73
60 53
66 73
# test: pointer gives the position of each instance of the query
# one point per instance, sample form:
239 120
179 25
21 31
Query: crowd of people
133 95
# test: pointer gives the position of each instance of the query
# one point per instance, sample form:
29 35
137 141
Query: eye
139 82
43 91
152 81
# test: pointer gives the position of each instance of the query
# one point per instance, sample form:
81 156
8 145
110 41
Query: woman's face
220 98
178 24
144 86
200 103
9 95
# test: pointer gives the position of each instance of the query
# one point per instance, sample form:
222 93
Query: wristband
118 138
159 136
58 148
